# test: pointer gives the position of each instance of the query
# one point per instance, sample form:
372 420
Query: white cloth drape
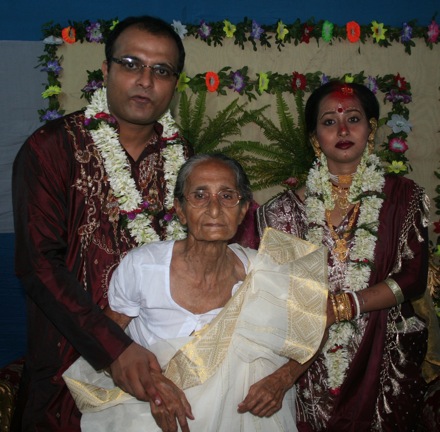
278 313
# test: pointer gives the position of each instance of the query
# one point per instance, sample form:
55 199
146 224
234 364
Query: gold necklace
344 179
340 198
341 249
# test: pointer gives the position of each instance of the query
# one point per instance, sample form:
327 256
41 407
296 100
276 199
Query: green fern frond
287 154
287 125
184 112
198 113
206 135
218 129
256 148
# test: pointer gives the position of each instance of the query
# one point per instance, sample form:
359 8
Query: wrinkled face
140 98
342 129
214 222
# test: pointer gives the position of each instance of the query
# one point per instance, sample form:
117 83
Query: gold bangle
348 307
341 307
335 309
344 307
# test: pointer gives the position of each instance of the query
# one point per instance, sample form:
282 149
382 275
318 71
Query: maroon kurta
383 387
69 239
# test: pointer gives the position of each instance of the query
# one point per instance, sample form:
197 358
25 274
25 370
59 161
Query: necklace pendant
341 250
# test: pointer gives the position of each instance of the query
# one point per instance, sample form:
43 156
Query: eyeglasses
227 198
135 66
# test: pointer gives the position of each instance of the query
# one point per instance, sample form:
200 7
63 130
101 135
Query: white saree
279 312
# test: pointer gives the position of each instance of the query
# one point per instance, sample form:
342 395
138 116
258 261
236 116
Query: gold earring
316 146
371 136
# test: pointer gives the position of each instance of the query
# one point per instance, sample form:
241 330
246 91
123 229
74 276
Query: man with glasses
87 188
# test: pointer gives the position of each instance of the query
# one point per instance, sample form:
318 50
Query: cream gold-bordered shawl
290 275
279 310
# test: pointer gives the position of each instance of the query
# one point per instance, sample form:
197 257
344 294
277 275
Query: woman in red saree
368 375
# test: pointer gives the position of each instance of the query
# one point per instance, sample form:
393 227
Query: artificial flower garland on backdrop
103 129
280 33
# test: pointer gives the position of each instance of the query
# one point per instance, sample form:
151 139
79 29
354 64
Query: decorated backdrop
272 69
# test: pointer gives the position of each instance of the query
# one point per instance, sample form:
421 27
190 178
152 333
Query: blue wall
22 20
12 305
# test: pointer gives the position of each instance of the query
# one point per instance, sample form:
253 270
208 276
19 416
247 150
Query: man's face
140 97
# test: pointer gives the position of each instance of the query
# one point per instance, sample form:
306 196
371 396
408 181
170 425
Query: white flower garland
366 188
130 200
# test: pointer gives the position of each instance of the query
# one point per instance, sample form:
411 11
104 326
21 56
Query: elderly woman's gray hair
243 184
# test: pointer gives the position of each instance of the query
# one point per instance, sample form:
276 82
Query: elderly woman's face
214 222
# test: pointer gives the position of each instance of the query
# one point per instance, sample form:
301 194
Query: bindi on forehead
341 108
339 102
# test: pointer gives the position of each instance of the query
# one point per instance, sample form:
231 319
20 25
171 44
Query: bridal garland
102 127
366 189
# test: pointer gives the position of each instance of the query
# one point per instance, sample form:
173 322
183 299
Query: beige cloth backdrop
421 69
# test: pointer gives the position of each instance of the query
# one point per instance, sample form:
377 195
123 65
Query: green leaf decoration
287 155
209 135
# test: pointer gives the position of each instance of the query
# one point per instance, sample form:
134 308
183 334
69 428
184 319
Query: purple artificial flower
324 79
168 217
92 86
52 66
257 30
131 215
145 204
238 82
94 32
51 115
204 30
406 33
372 84
393 96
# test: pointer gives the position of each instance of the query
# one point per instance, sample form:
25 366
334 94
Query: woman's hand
266 396
174 409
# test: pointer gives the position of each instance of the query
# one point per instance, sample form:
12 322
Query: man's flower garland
366 188
103 130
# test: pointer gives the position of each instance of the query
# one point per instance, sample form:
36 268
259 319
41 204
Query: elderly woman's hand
174 408
266 396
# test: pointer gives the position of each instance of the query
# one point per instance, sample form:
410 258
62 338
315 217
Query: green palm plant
208 135
288 155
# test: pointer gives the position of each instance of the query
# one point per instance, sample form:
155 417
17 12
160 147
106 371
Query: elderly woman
368 376
222 345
